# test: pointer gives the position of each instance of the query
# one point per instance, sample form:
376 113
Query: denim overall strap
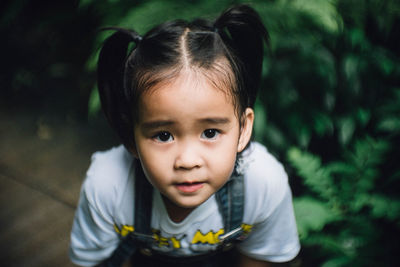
142 232
143 202
230 199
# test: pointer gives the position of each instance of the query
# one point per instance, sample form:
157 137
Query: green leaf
94 102
304 137
312 215
309 167
346 130
384 207
275 136
343 169
363 116
323 124
91 63
260 122
350 65
324 11
389 124
337 262
357 39
387 65
85 3
369 152
359 201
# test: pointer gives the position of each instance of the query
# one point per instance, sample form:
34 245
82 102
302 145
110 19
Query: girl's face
187 137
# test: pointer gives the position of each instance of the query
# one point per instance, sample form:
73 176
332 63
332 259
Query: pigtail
110 78
242 30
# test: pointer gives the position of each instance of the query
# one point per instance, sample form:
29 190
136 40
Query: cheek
223 160
154 171
152 163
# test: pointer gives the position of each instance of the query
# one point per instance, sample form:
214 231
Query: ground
43 162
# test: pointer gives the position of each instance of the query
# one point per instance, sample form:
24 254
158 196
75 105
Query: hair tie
215 29
134 35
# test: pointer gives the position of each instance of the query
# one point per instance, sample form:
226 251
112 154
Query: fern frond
315 176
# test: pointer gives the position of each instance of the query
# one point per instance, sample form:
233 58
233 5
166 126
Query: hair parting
228 52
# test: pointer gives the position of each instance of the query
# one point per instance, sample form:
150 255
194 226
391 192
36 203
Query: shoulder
262 169
93 237
107 176
115 161
257 158
266 182
268 208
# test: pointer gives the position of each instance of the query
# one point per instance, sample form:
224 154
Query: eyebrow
156 124
163 123
215 120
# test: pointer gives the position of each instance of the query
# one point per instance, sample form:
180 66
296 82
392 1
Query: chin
190 203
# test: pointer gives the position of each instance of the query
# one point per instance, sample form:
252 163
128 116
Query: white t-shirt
106 210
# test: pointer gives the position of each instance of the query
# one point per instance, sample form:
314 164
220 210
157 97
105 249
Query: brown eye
210 134
163 137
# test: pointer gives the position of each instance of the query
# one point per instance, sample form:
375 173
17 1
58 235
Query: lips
189 187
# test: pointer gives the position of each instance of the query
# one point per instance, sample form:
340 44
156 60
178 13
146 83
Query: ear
246 130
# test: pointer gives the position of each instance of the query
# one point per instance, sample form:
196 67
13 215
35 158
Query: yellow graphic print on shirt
173 241
210 238
125 229
213 238
246 228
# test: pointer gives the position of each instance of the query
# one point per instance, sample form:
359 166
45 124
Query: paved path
42 165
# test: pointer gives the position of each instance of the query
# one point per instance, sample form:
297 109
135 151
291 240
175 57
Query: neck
176 213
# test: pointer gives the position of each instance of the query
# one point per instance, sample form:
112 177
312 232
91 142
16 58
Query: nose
188 157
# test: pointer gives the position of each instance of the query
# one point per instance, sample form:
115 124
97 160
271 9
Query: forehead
191 94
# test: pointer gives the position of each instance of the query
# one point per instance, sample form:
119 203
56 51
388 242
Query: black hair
228 51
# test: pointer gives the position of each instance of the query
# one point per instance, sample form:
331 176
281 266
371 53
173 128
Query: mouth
189 187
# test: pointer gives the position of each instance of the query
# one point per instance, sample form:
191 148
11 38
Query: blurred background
328 108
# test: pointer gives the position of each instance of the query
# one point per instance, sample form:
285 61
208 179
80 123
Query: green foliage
331 106
312 215
94 102
340 193
315 177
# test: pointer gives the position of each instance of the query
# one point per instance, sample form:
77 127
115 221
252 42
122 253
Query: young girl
188 184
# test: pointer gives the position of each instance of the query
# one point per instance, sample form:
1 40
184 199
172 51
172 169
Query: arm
93 237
